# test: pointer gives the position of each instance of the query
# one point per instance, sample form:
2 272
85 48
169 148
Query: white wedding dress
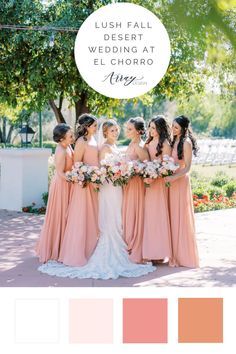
110 258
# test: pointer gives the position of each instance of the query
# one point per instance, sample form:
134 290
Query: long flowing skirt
184 246
52 234
110 258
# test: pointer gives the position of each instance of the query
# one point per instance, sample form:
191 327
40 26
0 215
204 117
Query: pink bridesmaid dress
133 215
157 236
51 237
81 232
184 246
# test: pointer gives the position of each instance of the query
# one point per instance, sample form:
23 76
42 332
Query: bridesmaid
184 245
81 232
157 238
133 200
51 237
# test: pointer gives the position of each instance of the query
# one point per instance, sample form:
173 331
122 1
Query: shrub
230 188
220 179
215 191
31 209
51 145
45 198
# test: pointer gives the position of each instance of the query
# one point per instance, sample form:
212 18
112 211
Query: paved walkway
216 236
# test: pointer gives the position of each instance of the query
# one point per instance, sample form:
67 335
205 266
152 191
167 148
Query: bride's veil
99 136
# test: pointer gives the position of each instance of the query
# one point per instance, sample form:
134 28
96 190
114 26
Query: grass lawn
210 171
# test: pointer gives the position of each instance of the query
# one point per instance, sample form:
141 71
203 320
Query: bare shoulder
80 142
166 143
104 149
188 144
140 146
60 151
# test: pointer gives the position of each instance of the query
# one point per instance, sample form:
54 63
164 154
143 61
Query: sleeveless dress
184 247
110 258
51 237
157 236
81 232
133 214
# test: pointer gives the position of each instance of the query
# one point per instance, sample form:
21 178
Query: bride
110 258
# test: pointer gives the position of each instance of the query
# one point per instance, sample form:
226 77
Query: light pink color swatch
91 321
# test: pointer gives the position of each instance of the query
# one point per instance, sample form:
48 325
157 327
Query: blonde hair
108 124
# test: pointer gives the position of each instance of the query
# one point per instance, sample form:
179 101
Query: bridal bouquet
167 167
118 169
84 174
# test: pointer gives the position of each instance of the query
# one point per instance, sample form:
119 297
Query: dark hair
60 131
108 124
186 132
84 121
139 124
163 129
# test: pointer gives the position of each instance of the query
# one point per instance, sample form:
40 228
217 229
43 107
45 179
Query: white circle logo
122 50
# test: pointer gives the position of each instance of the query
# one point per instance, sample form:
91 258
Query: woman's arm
166 149
142 153
187 161
104 150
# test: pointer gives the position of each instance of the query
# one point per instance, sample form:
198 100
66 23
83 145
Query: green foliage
34 74
214 190
51 145
213 194
34 210
230 188
45 198
210 115
220 179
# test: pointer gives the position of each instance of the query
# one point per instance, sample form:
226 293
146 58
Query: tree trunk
81 106
4 128
1 137
9 135
57 110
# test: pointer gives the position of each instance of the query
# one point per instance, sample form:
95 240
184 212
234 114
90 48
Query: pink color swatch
91 321
144 320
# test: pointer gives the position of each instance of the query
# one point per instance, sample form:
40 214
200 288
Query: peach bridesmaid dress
51 237
157 237
133 215
184 246
81 232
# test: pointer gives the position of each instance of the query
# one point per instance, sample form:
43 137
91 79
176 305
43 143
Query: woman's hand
169 179
148 180
95 186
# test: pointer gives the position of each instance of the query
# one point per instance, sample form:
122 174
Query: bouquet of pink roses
84 174
96 175
150 170
118 169
167 167
138 168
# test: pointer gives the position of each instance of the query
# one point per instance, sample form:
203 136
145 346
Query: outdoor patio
216 236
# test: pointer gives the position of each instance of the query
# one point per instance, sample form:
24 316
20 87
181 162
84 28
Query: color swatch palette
119 323
200 320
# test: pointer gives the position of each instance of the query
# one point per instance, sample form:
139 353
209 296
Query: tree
35 73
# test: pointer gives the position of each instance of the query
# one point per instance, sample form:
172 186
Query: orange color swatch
144 320
200 320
